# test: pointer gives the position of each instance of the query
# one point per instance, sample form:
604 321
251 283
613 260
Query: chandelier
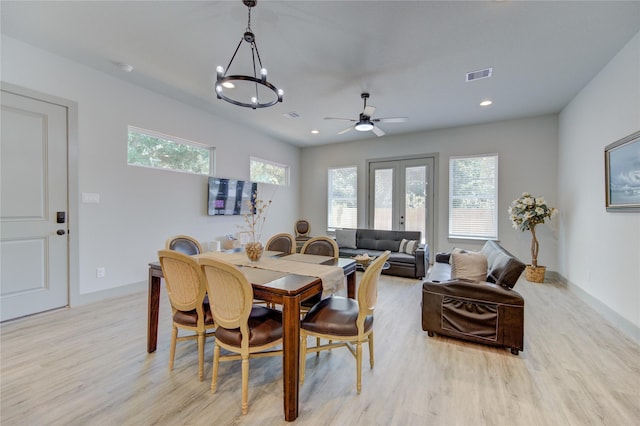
250 91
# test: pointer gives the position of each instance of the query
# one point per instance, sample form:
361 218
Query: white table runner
332 277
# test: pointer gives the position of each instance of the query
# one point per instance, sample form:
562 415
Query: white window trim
330 229
177 140
496 191
286 167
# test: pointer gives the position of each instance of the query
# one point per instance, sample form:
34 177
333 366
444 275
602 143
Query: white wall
600 250
139 207
527 151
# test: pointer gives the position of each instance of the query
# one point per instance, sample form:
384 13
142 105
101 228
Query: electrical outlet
100 272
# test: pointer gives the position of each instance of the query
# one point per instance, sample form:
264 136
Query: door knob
61 232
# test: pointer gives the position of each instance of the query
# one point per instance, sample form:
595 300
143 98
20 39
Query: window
343 198
150 149
269 172
473 197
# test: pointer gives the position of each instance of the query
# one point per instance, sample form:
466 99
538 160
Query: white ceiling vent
477 75
291 114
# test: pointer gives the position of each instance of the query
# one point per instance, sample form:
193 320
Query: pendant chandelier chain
258 80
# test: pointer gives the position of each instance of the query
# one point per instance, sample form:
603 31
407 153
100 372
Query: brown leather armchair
488 312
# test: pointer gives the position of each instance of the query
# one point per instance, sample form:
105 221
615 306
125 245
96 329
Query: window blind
473 197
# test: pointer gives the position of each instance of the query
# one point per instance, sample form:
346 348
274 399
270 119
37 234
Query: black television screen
230 196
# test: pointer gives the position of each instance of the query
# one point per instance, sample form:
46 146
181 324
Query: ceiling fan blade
392 120
378 131
338 118
369 110
342 132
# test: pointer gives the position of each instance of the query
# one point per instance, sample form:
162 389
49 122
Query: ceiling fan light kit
364 126
365 123
233 81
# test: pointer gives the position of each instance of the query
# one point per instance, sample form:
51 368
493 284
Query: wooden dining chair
184 244
283 242
323 246
302 230
187 288
345 321
245 329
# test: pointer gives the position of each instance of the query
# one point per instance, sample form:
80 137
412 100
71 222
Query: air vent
291 114
480 74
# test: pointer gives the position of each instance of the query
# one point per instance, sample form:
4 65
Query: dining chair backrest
323 246
368 288
302 228
230 295
281 242
184 244
184 280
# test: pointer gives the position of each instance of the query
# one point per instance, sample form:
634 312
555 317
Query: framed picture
622 174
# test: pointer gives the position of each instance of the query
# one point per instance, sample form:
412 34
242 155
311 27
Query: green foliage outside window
342 198
267 172
475 182
154 151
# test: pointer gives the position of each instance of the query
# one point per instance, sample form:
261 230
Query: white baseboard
83 299
619 322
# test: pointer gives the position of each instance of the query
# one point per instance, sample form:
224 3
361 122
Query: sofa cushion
402 258
504 268
346 238
470 265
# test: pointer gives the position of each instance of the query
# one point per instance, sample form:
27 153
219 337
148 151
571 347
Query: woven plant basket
535 275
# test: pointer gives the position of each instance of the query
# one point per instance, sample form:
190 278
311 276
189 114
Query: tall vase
254 250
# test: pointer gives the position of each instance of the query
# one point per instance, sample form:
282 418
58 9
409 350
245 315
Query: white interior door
401 195
34 272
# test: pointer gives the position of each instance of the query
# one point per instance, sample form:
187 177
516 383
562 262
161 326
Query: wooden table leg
351 285
291 355
154 309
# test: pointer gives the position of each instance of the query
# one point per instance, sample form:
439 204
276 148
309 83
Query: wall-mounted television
230 196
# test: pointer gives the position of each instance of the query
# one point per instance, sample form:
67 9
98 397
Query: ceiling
412 56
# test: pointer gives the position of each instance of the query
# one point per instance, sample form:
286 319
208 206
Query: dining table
288 289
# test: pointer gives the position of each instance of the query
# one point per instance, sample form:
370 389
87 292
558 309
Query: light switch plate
90 197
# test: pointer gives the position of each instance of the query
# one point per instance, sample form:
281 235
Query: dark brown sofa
487 312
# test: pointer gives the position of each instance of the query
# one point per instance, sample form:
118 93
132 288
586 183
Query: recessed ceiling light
315 132
486 103
228 85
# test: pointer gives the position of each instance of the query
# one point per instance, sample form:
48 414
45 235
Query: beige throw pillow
346 238
470 265
408 246
456 250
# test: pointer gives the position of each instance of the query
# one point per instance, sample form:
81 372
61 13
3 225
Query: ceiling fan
365 122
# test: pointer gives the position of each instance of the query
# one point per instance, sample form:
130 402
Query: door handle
61 232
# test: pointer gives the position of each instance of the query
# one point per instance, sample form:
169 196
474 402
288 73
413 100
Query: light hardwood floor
89 366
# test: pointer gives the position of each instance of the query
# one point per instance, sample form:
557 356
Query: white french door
34 272
401 195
